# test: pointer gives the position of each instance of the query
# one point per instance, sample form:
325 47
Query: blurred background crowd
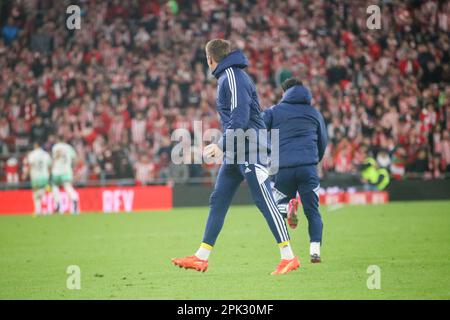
136 70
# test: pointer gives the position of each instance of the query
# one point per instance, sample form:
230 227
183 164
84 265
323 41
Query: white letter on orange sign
128 196
107 201
116 201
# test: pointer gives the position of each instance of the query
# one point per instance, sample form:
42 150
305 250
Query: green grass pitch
127 256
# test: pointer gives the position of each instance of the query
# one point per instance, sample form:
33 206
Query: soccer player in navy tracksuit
238 107
302 143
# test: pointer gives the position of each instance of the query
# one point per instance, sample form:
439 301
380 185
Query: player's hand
212 151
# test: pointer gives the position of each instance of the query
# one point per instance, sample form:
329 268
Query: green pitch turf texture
127 256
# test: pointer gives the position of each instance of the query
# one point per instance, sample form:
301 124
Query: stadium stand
134 72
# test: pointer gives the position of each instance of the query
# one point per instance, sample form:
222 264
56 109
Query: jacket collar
234 59
297 94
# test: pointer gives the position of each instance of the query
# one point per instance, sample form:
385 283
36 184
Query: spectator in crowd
10 31
144 170
12 171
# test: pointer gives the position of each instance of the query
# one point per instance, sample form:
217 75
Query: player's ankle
314 248
286 252
204 251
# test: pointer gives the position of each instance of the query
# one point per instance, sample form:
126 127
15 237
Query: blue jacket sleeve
240 101
240 104
323 137
267 116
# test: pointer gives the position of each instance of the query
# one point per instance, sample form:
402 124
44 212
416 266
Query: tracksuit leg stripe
262 168
277 215
282 208
280 234
316 191
281 227
273 207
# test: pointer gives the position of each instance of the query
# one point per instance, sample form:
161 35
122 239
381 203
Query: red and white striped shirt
144 172
138 130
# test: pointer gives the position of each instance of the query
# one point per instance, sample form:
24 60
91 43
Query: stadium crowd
134 72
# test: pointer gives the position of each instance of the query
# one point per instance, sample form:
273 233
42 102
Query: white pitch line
334 207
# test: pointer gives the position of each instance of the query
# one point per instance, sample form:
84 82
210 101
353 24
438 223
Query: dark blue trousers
229 178
305 181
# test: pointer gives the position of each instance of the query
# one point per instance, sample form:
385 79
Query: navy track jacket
237 101
303 134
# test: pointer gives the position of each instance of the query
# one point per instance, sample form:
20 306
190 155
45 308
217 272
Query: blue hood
297 95
234 59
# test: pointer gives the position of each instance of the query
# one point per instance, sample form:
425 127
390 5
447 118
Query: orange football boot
286 266
292 215
191 262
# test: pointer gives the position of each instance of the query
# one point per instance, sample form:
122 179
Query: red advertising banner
111 199
366 197
127 199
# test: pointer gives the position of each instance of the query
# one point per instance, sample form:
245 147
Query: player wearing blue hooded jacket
302 143
238 107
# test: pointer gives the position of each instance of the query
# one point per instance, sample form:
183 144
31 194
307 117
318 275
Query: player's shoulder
71 148
278 108
61 145
270 109
315 111
241 76
239 79
223 82
225 77
31 155
234 74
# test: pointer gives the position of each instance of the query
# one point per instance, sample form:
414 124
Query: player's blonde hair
218 49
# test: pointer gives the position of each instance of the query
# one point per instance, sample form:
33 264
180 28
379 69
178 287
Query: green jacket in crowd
378 177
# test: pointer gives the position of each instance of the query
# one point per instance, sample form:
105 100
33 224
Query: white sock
37 206
55 191
314 248
72 194
286 252
204 251
37 195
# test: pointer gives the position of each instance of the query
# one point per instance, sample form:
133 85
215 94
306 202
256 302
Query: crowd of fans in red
118 87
